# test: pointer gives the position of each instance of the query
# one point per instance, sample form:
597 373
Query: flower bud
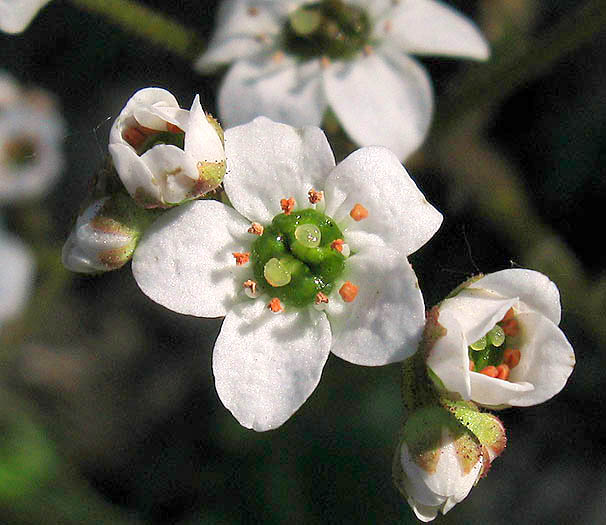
163 154
437 461
105 235
500 343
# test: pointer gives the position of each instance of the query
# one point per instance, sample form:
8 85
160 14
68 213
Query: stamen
134 136
358 212
348 292
275 273
275 305
277 57
368 50
511 357
252 11
490 371
325 62
315 196
308 235
387 27
509 315
502 372
172 128
321 298
472 366
337 244
511 327
250 288
287 205
255 228
241 257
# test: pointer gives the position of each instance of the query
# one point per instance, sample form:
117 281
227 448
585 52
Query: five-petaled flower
163 154
293 60
31 133
297 298
502 345
16 15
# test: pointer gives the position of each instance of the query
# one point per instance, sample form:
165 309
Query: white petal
185 262
15 16
266 365
492 392
240 32
428 27
280 89
448 357
477 311
399 215
16 276
546 362
201 140
385 321
534 289
383 99
134 174
267 161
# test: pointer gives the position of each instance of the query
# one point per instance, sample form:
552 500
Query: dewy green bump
293 259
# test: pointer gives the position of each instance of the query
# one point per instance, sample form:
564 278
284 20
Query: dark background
117 392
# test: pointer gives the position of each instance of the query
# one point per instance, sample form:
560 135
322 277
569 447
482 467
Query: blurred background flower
120 389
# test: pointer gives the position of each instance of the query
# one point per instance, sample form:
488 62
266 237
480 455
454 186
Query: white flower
437 462
105 235
508 323
291 70
193 260
16 276
15 15
31 133
164 154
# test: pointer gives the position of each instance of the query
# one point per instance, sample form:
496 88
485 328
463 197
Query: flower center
496 353
294 260
143 139
20 151
329 28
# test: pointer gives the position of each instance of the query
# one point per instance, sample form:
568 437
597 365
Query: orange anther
348 291
511 327
287 205
511 357
255 228
368 50
250 285
252 11
337 244
502 372
241 257
490 371
509 315
321 298
275 305
171 128
325 62
472 366
358 212
315 196
134 136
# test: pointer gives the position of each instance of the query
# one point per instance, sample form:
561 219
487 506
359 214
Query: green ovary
330 28
293 259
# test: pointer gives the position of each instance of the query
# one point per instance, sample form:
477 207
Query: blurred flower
31 131
332 266
294 59
16 276
166 155
437 461
105 235
16 15
502 346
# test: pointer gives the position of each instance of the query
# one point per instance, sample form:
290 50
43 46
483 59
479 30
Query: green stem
147 24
